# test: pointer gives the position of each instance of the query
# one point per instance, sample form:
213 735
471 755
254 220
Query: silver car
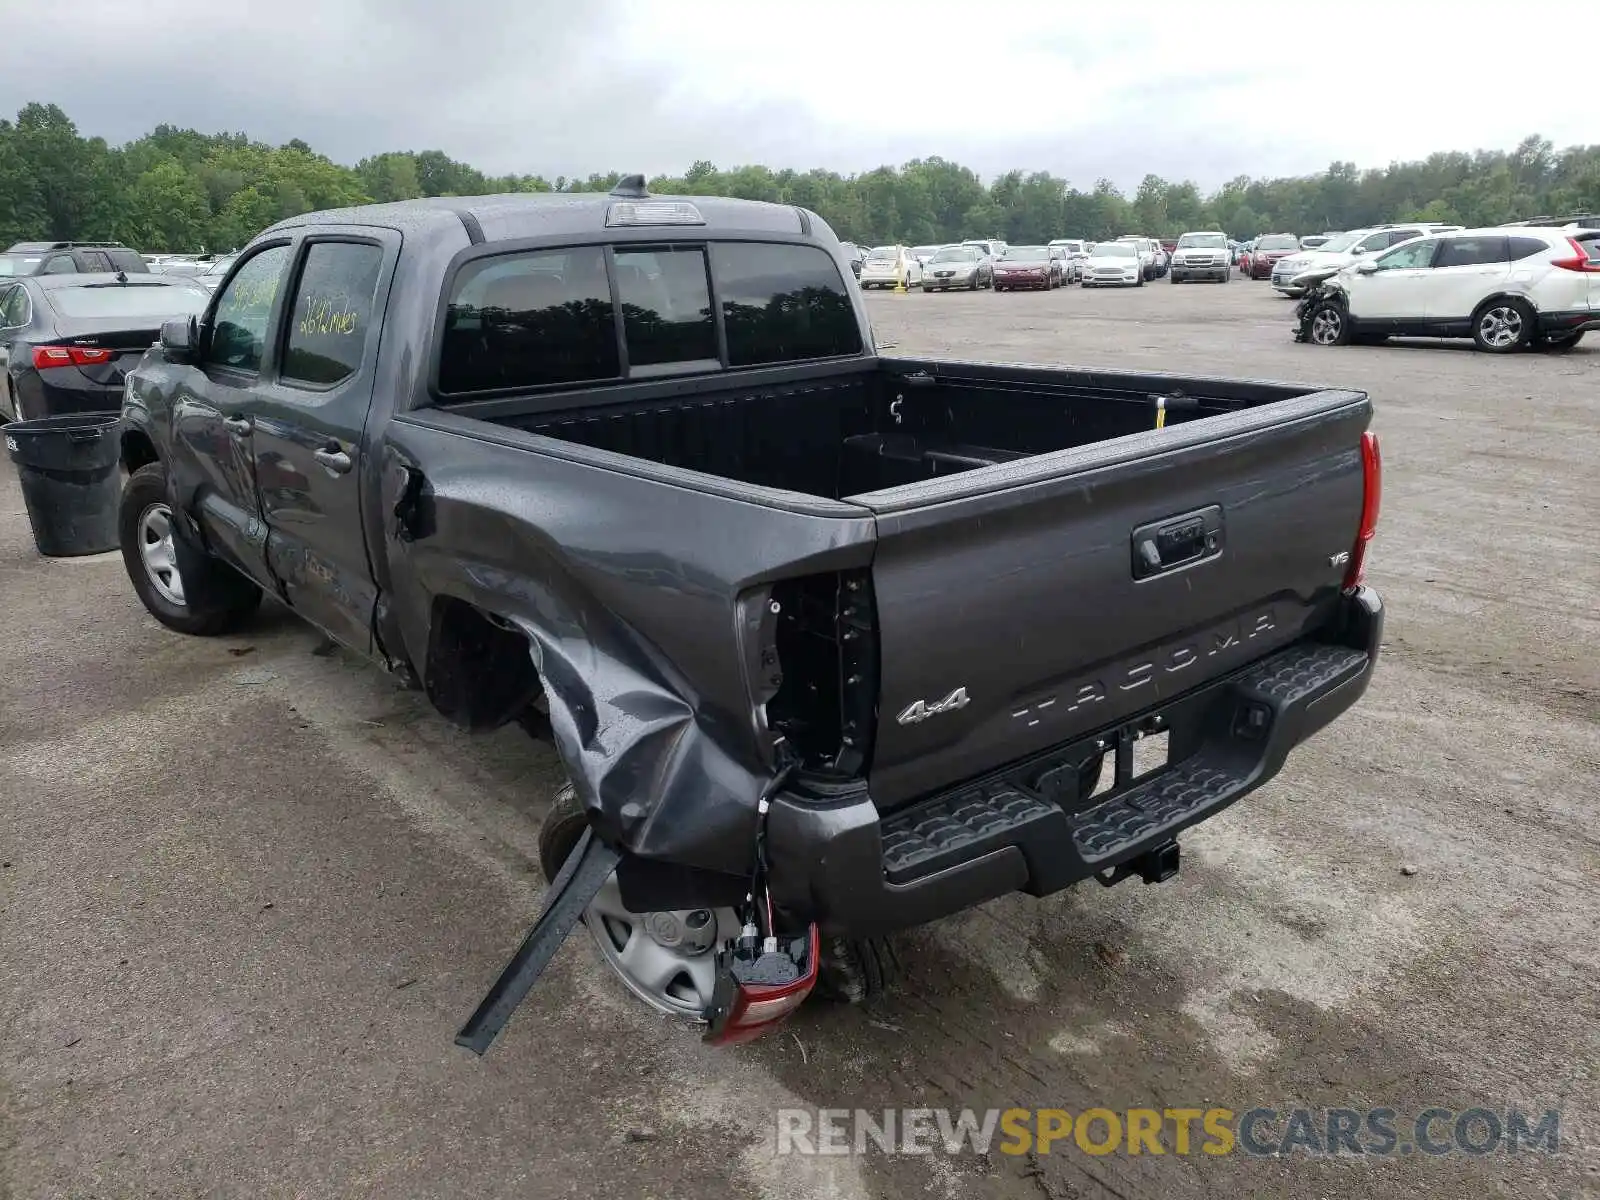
958 267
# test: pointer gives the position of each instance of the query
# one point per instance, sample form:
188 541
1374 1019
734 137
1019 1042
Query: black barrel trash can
71 481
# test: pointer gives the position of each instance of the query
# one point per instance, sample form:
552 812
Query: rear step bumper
1025 828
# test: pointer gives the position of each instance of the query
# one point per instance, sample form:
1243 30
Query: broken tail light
755 993
1371 496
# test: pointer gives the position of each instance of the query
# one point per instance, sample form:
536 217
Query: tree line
182 190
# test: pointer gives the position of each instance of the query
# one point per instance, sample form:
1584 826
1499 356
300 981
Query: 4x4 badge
921 710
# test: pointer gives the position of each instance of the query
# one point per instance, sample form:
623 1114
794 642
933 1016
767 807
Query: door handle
335 459
238 426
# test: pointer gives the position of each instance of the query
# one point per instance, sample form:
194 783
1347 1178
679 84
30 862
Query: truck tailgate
1023 605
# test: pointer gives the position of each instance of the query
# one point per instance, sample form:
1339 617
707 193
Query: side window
781 303
61 264
327 328
96 260
1409 257
666 306
1396 236
529 320
1524 247
14 307
239 325
1374 242
1471 251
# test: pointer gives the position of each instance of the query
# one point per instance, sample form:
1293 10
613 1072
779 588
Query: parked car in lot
993 248
855 256
1312 240
216 270
888 266
1202 256
1269 249
958 267
1343 250
1115 264
1147 251
1076 252
924 253
1504 289
847 597
67 342
1028 267
69 258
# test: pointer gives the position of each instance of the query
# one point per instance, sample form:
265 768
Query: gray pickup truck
830 643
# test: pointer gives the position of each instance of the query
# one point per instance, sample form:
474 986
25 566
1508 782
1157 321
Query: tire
1330 325
1141 280
1503 325
852 971
143 514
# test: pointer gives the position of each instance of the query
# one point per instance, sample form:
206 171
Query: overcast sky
1201 91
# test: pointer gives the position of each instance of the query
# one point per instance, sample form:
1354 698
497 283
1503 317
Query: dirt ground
250 889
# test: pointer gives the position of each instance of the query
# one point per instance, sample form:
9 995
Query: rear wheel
1503 325
668 959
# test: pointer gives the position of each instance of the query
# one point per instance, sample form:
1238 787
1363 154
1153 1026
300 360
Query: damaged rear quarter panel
626 579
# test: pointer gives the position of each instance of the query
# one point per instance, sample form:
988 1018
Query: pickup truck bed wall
851 430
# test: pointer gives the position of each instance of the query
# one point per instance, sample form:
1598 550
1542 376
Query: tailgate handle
1175 542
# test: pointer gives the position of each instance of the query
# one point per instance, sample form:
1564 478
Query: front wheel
1330 325
149 553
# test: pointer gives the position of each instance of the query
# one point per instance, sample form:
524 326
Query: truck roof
543 214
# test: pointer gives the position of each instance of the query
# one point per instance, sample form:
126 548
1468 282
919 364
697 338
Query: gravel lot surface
250 889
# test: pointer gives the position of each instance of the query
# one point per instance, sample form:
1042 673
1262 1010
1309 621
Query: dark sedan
68 341
1027 267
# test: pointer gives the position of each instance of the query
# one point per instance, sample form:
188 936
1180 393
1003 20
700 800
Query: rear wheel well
1518 297
480 671
137 451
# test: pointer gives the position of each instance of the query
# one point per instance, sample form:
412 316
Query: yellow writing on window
327 316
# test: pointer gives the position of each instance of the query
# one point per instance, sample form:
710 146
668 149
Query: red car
1269 249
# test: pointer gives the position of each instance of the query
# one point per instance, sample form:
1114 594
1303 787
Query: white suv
1345 249
1503 288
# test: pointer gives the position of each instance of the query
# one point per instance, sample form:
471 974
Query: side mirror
1366 267
178 338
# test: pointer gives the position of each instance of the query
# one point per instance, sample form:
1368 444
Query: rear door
210 466
308 418
1467 270
1022 617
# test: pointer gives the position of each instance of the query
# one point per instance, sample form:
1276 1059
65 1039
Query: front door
307 437
209 468
1394 297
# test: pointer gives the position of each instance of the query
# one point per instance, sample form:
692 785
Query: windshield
139 300
884 254
1030 252
1205 241
1116 250
18 266
957 254
1343 242
1278 241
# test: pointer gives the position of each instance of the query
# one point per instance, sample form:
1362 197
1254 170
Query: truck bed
846 432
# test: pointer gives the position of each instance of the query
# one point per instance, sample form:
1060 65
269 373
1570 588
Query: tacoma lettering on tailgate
1163 672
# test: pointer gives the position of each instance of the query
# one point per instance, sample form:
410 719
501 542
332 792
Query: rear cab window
569 317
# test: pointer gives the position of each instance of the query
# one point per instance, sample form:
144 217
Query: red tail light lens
756 1009
45 357
1371 497
1580 260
